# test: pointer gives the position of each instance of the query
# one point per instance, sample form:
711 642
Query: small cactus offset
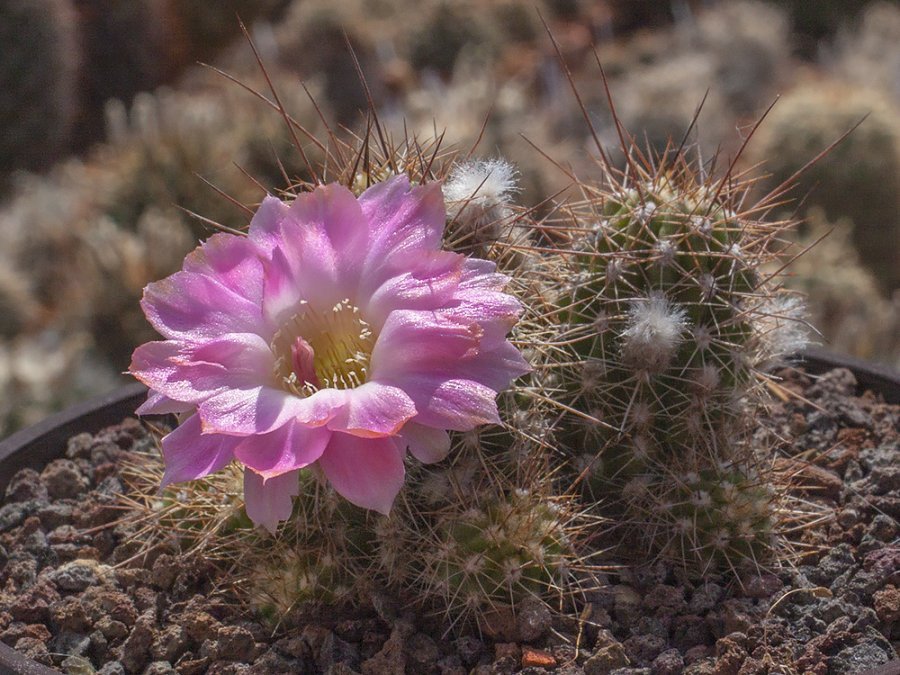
719 517
669 324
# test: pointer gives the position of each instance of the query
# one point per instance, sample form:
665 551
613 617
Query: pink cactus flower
336 334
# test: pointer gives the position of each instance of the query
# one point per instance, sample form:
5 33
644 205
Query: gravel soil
74 595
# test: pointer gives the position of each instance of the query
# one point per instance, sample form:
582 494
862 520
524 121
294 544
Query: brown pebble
506 649
537 657
810 478
887 604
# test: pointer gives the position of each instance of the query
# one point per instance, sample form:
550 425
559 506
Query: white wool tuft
487 183
782 327
654 332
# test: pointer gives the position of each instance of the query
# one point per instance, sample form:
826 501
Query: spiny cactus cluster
483 531
463 541
668 322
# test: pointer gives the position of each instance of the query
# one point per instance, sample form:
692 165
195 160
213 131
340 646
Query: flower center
318 349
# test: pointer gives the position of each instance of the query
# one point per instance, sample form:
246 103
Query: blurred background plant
120 131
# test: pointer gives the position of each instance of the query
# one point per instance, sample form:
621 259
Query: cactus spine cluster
481 532
668 323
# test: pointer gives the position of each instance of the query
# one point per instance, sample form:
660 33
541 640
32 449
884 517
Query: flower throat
319 349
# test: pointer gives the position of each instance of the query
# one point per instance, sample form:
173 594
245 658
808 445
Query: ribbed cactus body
496 554
658 319
715 517
668 324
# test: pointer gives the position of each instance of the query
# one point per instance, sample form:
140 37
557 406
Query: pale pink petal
374 410
494 311
269 501
447 403
259 410
235 262
154 364
195 307
290 447
403 221
429 284
427 444
334 210
195 372
265 226
247 357
157 404
482 274
302 270
367 472
190 454
418 341
496 368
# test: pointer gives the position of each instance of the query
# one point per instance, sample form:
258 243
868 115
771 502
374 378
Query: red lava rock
200 625
111 629
537 657
884 563
887 604
164 571
18 630
762 586
170 643
236 643
63 479
500 624
532 620
70 615
24 486
101 601
665 600
34 649
136 648
33 605
391 660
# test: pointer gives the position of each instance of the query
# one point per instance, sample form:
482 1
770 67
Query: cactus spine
669 323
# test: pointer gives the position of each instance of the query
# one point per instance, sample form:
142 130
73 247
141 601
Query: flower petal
367 472
374 409
420 341
495 368
334 210
402 220
192 372
292 446
482 274
456 404
233 261
427 444
494 311
158 404
154 364
302 269
269 501
429 284
195 307
259 410
190 454
265 226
